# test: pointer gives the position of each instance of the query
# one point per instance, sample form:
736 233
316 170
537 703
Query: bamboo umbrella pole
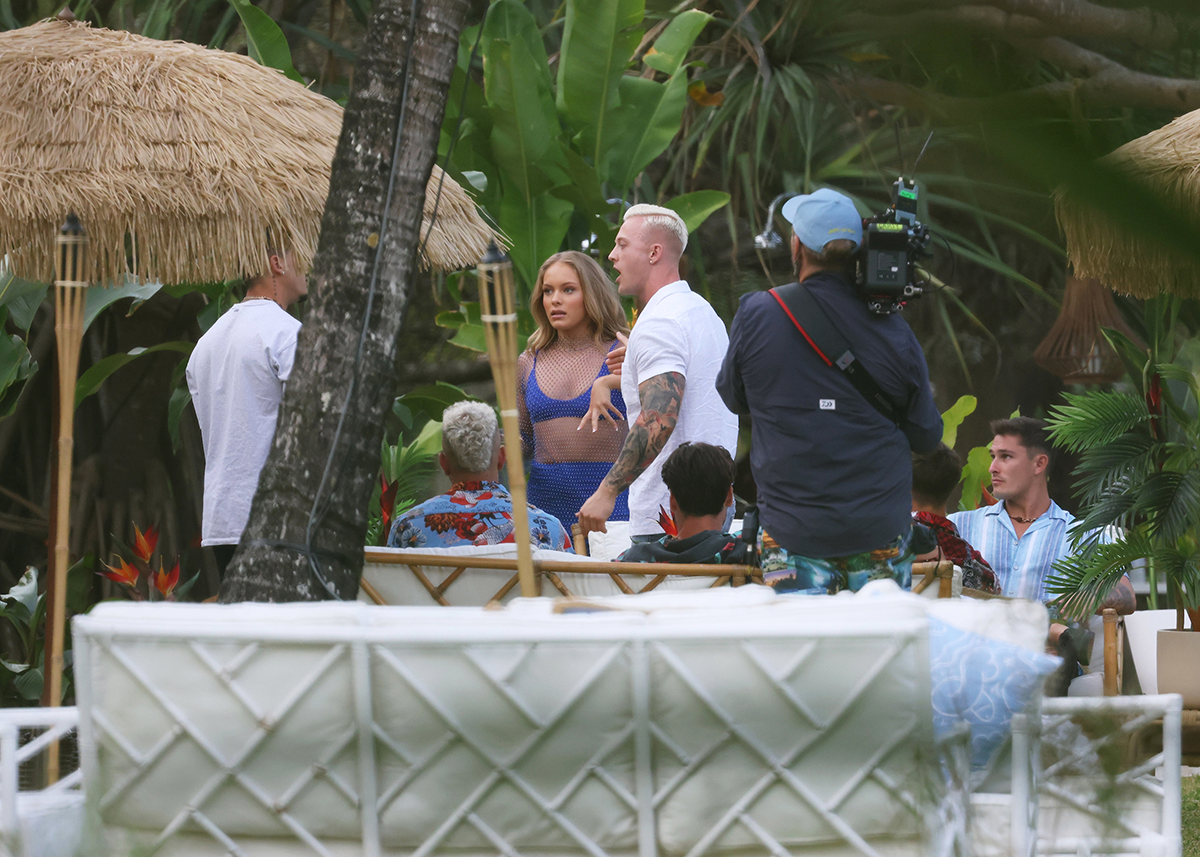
497 300
70 293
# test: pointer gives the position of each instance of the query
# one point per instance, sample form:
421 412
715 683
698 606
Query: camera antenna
922 154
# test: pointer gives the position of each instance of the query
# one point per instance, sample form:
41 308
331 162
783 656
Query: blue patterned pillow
981 682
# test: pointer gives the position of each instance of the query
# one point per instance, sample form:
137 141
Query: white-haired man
670 370
477 510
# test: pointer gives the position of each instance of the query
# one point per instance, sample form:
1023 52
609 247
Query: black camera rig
893 241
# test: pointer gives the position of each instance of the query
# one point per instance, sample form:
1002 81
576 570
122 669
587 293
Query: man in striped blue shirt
1022 535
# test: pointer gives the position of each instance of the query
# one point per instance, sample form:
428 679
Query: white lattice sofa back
740 723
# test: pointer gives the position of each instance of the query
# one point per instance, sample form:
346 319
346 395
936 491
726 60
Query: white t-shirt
236 376
677 331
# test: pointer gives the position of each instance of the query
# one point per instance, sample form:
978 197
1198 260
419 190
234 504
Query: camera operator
834 473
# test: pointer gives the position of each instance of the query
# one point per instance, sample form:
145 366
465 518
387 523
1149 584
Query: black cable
953 260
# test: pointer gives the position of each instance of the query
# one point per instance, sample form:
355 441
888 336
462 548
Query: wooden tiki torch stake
498 311
70 294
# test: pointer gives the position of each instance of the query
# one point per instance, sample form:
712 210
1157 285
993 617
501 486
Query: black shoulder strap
831 346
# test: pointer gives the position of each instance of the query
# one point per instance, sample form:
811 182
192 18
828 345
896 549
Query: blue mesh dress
566 465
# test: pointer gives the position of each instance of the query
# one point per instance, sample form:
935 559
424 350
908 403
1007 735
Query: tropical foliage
1139 473
556 151
23 650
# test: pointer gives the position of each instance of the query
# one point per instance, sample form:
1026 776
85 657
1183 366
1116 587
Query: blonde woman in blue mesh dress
563 376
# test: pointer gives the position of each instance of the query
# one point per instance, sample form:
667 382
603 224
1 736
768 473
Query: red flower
667 522
387 504
144 545
165 582
123 573
1154 404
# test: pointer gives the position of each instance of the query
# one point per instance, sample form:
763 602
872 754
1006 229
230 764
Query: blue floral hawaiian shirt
473 513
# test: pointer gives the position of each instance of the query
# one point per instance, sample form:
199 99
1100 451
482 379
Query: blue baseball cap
821 217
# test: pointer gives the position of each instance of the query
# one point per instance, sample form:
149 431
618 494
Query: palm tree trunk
304 541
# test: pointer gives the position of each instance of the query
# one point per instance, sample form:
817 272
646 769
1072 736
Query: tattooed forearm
1122 598
660 398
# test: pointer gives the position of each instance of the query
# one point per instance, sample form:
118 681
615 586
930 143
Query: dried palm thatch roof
1167 162
177 159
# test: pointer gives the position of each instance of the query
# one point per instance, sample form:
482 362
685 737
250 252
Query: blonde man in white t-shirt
669 375
236 376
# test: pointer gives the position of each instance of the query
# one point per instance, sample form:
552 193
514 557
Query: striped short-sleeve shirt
1022 565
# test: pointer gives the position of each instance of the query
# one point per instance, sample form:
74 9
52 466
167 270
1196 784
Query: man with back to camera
668 377
700 479
477 510
236 375
834 474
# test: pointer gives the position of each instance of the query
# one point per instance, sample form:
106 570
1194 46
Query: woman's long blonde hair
599 301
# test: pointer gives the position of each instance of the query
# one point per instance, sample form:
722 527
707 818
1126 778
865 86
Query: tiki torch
70 293
497 300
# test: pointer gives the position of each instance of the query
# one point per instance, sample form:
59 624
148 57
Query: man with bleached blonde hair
668 379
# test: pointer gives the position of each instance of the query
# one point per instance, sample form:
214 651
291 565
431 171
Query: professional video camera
893 241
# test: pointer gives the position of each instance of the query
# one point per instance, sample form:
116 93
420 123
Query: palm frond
1170 500
409 467
1183 568
1095 418
1083 580
1116 507
1127 460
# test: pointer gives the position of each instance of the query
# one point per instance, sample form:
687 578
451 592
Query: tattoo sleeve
660 398
1121 598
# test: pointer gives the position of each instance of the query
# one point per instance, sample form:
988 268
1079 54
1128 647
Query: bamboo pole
1112 677
497 299
70 293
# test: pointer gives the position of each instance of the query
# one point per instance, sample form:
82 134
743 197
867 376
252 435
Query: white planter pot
1179 665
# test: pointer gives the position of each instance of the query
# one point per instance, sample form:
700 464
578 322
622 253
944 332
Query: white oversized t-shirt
236 376
677 331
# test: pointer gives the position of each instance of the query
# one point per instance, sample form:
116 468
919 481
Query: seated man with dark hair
935 474
700 479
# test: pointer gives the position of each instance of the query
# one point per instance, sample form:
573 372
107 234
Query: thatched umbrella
1167 162
176 158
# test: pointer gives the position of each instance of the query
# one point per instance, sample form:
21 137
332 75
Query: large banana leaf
695 207
16 367
21 298
524 140
599 38
669 49
90 381
265 42
648 120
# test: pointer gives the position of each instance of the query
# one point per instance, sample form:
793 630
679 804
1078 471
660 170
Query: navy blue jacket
834 475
